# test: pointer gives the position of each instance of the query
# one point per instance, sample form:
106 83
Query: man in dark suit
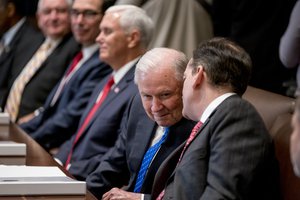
162 101
121 45
19 39
67 101
53 20
229 154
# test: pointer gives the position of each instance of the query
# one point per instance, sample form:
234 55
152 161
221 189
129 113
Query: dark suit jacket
57 123
22 47
41 84
121 165
104 128
232 157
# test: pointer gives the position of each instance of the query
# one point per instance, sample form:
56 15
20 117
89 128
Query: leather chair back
276 111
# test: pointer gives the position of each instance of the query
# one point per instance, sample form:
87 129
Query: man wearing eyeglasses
67 101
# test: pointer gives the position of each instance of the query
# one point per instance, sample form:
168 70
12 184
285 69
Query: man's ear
133 38
11 9
199 74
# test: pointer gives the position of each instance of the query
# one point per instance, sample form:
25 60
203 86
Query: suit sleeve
64 150
112 170
60 127
33 124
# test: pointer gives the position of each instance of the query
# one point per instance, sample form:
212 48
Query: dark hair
23 7
107 4
225 63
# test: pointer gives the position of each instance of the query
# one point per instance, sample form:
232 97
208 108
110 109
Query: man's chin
185 115
163 123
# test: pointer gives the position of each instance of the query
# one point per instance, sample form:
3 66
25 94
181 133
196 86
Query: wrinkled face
295 144
85 19
113 41
187 94
53 18
161 96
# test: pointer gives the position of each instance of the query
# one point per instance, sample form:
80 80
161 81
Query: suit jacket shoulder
57 123
22 47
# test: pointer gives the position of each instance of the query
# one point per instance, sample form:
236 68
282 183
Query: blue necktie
147 160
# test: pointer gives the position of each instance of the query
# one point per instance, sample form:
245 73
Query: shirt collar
9 35
54 42
213 105
118 75
89 51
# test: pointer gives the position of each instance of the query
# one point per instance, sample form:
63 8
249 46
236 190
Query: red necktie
74 63
189 140
90 115
63 82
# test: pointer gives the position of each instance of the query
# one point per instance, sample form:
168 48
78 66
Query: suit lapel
13 43
143 139
122 85
110 97
165 172
85 65
114 93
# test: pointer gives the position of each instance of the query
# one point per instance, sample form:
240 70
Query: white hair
159 57
133 17
40 4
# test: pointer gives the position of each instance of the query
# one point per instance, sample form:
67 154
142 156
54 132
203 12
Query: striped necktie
15 94
148 157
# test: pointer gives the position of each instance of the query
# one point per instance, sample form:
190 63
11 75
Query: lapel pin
116 90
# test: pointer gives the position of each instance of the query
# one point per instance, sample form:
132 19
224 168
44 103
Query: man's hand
26 118
119 194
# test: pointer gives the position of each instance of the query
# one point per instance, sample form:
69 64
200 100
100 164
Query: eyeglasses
87 14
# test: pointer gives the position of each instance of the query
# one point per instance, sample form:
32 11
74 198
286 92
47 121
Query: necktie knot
197 127
110 82
75 62
46 45
191 138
